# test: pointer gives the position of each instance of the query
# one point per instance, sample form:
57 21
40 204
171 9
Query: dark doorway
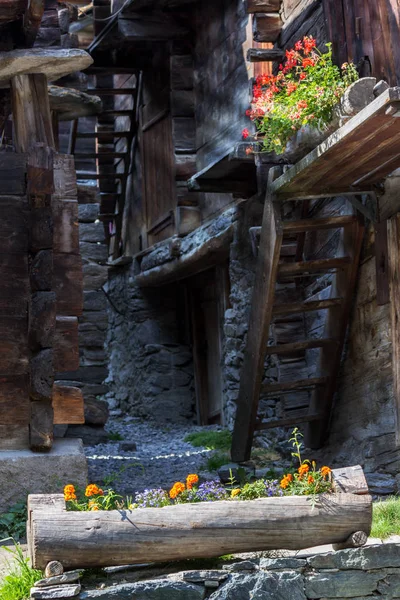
208 295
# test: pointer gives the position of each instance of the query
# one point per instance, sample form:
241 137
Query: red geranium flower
245 133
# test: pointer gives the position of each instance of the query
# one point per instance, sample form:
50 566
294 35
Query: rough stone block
88 213
59 591
366 558
91 232
91 436
93 301
381 483
284 563
93 252
262 586
342 584
158 589
96 412
65 463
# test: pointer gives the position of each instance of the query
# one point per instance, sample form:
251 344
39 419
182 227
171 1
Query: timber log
206 529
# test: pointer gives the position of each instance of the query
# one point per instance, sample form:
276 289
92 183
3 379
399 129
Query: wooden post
394 285
258 332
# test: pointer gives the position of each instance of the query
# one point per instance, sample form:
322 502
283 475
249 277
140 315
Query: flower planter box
206 529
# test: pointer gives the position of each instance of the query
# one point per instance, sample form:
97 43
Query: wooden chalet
247 289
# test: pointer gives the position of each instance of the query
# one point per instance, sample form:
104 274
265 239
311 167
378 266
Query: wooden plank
311 266
289 386
68 284
14 289
294 347
287 422
66 226
381 261
42 375
41 271
290 308
11 10
14 437
14 355
254 6
150 28
394 285
350 480
317 224
40 170
42 320
68 405
41 229
31 21
265 55
66 344
266 27
31 111
64 177
41 426
14 225
375 128
260 318
13 169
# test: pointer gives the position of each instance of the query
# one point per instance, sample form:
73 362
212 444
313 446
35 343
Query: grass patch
114 436
216 460
386 518
212 440
13 522
17 584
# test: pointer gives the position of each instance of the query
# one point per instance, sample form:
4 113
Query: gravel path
160 459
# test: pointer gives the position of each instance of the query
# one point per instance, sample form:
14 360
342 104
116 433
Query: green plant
17 584
212 440
386 518
114 436
217 460
13 522
305 92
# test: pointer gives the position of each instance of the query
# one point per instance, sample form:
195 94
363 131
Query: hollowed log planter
206 529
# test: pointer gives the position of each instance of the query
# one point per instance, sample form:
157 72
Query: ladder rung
83 155
289 386
288 422
298 346
89 175
111 91
313 224
322 264
299 307
104 134
118 113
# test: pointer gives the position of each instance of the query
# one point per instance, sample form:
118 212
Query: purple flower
210 491
151 498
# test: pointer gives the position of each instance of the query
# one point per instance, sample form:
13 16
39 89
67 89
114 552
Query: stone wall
369 572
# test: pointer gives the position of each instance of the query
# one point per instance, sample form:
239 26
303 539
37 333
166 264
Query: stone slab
23 472
60 591
73 104
54 63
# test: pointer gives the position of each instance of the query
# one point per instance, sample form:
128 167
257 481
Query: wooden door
367 33
207 297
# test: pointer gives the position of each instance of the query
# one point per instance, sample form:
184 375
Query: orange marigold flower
69 493
310 479
177 489
303 469
191 480
289 477
93 490
325 471
286 481
235 492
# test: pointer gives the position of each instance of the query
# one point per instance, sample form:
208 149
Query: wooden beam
266 27
291 308
289 386
150 27
31 112
394 285
68 405
66 344
381 262
31 21
256 6
258 331
265 55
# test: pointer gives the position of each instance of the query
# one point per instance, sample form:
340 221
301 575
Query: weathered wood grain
66 344
66 226
254 6
42 376
31 110
14 289
65 177
32 20
41 229
40 172
189 530
13 173
266 27
68 284
14 412
68 405
42 320
14 225
41 271
259 320
41 426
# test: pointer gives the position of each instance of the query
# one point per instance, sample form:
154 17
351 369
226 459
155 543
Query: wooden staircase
112 155
280 261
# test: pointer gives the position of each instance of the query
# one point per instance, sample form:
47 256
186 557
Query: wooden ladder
275 238
113 166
